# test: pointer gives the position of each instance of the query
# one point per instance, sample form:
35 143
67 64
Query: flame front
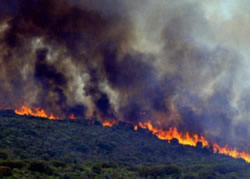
173 133
135 127
192 140
37 112
107 123
72 117
231 152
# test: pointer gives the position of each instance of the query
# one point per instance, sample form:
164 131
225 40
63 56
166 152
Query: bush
81 147
39 166
153 171
189 177
172 169
109 165
224 169
105 147
207 175
56 163
159 171
13 164
5 171
3 155
97 169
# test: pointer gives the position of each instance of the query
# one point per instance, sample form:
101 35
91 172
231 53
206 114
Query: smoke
181 64
51 52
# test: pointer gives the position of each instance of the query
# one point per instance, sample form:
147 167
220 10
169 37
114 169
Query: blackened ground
39 147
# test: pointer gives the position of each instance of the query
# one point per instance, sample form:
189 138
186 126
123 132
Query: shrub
39 166
172 169
5 171
109 165
3 155
105 147
224 169
207 175
159 171
189 177
97 169
13 164
56 163
174 141
81 147
153 171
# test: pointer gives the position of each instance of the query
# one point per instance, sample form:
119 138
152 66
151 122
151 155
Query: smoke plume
178 64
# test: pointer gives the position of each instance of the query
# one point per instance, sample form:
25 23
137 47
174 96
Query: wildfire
72 117
135 127
173 133
231 152
192 140
170 134
37 112
107 123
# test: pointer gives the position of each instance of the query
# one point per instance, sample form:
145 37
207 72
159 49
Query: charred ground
38 147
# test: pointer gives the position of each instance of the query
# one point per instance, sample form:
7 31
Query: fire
173 133
107 123
231 152
72 117
136 127
170 134
36 112
192 140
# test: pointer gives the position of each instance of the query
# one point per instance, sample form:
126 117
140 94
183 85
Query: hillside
84 149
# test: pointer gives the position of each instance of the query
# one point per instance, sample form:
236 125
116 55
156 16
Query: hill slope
39 147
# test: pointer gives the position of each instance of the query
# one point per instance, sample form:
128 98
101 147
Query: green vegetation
39 148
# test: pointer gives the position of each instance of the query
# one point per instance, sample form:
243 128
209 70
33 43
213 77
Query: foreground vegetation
39 148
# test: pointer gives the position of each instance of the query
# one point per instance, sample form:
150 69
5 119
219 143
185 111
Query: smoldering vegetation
89 58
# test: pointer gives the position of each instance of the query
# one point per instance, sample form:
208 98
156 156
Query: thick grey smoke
182 64
202 47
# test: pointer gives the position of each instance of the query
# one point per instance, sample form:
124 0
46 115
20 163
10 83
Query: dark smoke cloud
133 61
40 35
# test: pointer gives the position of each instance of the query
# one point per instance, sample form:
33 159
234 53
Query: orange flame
72 117
135 127
231 152
107 123
192 140
37 112
173 133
